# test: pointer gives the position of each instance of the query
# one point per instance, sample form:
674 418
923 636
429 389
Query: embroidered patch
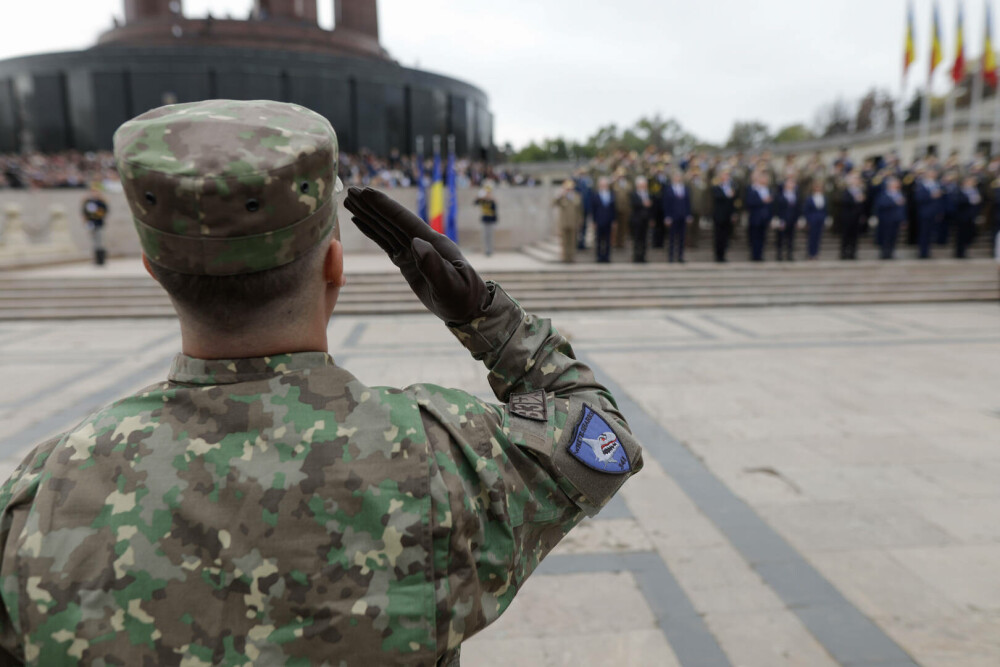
595 445
529 406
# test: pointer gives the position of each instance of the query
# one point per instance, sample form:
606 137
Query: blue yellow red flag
437 194
909 50
989 57
958 69
936 56
451 220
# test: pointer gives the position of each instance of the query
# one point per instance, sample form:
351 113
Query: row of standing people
665 209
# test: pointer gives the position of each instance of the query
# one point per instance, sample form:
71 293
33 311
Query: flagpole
977 94
995 143
925 118
907 60
900 112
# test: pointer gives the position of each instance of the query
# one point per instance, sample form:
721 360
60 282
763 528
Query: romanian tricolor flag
909 53
958 69
437 194
989 57
936 56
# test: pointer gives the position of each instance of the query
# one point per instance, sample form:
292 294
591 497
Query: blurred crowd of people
397 170
74 169
656 199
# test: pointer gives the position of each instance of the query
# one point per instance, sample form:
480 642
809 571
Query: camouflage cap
225 187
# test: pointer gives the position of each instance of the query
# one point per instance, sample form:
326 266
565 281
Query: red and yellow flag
909 52
436 204
989 57
958 69
936 56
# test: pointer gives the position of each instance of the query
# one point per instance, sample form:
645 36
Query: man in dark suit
602 206
584 190
723 213
930 210
787 209
890 208
657 184
641 219
758 202
967 207
851 215
676 215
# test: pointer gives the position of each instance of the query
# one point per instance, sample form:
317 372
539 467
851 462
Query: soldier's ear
333 264
149 269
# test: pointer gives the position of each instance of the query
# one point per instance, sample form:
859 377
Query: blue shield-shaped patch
595 445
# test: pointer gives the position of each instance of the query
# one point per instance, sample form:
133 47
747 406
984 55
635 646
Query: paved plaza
822 485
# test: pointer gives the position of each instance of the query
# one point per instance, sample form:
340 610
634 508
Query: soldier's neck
285 339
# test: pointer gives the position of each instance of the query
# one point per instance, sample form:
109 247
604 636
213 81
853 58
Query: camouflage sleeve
16 494
555 407
506 483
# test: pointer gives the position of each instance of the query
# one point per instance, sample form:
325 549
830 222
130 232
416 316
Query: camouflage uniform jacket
278 511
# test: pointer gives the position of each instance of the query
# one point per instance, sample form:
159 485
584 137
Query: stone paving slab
865 439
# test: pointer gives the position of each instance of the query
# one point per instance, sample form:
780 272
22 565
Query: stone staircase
562 287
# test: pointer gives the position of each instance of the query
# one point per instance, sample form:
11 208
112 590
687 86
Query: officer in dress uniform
788 209
584 186
570 212
890 209
622 189
657 184
262 505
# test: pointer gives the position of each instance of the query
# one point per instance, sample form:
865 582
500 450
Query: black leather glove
433 266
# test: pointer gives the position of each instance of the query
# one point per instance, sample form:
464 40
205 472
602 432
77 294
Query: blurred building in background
75 100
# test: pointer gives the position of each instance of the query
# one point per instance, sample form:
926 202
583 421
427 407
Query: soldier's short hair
235 303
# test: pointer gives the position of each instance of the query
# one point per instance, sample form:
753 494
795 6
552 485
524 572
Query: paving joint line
848 635
678 620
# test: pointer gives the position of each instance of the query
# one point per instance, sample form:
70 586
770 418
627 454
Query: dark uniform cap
224 187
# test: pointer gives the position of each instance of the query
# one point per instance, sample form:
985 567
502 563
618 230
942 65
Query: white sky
566 67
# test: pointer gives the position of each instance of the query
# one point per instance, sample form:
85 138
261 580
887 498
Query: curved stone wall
75 100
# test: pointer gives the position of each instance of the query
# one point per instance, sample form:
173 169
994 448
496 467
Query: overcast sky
566 67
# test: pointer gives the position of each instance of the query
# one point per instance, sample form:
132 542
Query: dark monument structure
75 100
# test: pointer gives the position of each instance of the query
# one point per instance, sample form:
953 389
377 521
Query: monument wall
526 216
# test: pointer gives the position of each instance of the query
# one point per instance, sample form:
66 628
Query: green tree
747 135
793 133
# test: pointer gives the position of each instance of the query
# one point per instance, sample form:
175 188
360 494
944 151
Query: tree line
874 112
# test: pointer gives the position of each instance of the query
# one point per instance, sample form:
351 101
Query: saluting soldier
262 505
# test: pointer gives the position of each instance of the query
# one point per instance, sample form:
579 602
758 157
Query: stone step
103 311
557 287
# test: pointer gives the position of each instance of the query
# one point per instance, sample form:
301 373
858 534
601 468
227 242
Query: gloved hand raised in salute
432 264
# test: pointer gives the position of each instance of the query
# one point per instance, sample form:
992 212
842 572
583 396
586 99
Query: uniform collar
189 370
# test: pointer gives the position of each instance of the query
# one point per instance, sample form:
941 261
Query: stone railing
46 226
